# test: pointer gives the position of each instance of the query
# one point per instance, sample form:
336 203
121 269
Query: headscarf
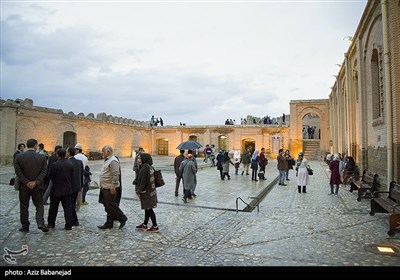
255 154
336 156
146 158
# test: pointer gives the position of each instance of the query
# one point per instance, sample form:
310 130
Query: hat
78 146
300 154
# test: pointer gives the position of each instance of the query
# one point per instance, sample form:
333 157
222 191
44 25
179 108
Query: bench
366 186
390 204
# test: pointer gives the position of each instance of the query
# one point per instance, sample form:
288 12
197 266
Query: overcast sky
195 62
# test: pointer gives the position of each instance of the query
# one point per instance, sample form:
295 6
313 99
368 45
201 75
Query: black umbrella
188 145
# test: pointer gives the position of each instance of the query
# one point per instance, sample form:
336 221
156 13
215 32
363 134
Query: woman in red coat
335 173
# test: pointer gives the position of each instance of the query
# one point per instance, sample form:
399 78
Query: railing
248 205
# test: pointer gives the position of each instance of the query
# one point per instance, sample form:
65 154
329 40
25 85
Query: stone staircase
311 149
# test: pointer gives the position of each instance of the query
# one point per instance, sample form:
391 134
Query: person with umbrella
189 171
189 145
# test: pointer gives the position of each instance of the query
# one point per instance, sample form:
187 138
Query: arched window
376 85
69 139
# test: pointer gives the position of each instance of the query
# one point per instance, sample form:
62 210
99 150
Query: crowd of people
64 177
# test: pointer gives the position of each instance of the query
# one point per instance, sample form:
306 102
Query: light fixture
385 249
348 38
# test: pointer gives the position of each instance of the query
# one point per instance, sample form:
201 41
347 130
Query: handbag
310 171
158 178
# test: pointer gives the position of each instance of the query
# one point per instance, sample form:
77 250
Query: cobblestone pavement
290 229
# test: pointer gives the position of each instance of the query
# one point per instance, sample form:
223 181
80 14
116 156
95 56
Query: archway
249 143
315 113
162 147
311 132
193 138
223 142
69 139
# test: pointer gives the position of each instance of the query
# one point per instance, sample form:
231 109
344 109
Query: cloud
197 63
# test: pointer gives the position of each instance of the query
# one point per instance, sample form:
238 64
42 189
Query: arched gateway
305 114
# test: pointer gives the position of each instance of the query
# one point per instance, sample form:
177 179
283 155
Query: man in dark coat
31 169
77 181
177 163
61 173
47 183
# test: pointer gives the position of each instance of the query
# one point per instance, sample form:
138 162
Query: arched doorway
69 139
311 133
193 138
249 143
304 113
223 142
162 147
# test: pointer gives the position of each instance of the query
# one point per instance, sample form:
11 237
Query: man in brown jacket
282 167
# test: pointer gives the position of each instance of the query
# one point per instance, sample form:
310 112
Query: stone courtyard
290 229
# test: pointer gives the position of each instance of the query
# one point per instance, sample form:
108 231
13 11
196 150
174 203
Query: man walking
31 168
109 182
177 163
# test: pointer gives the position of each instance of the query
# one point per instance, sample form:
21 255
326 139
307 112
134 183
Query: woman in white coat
303 179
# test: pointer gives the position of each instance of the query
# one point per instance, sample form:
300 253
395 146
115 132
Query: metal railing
248 205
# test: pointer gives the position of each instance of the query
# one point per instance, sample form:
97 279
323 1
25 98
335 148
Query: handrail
248 205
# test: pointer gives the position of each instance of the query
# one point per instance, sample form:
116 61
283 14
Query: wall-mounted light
348 38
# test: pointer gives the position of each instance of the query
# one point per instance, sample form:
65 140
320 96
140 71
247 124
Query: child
237 165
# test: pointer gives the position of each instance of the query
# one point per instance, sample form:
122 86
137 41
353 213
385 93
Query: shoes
194 195
105 227
50 227
43 228
122 224
247 174
176 194
25 230
142 226
283 184
75 224
184 200
242 172
153 229
85 203
304 192
287 179
256 180
68 228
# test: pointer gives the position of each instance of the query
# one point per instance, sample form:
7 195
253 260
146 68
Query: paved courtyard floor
290 229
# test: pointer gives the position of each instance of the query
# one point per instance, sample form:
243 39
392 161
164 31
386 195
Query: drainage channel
257 199
254 203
